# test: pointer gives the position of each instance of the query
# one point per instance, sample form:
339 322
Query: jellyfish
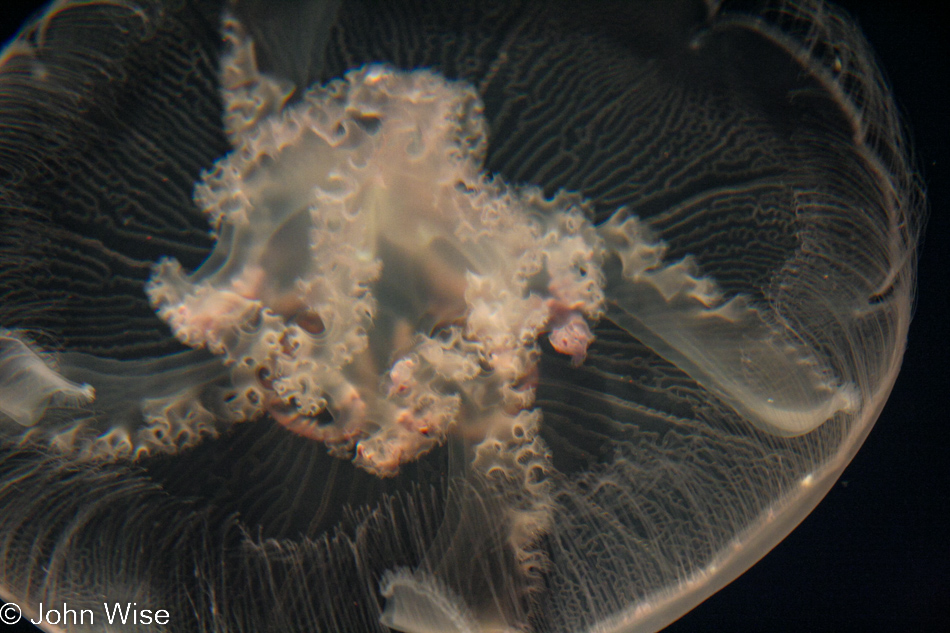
427 316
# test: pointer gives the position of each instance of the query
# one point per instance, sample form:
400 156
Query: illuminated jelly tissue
373 288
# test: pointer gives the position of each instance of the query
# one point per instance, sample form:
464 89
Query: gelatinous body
433 316
365 210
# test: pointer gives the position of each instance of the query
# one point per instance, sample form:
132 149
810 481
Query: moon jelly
434 316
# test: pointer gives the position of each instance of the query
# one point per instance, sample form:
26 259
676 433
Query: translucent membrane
433 316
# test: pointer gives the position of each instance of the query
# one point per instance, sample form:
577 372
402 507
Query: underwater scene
430 316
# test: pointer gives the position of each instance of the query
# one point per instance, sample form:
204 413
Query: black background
875 554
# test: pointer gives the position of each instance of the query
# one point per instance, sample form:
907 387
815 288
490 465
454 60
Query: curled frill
371 287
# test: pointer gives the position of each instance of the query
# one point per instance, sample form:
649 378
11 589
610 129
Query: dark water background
875 555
